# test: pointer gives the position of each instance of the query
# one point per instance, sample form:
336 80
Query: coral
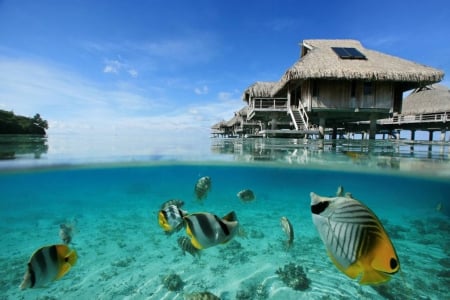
294 277
173 282
252 291
201 296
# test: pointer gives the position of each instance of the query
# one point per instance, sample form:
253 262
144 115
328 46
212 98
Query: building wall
347 95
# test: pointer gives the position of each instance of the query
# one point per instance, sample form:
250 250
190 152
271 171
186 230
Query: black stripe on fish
53 254
222 225
205 225
32 275
40 259
164 214
319 207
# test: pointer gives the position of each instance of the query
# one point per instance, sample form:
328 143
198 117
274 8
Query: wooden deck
417 122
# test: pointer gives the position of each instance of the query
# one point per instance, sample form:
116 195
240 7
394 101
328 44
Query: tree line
15 124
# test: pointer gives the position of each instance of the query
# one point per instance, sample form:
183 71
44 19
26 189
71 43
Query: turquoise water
124 254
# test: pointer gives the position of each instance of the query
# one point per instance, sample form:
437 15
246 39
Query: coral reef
201 296
294 277
173 282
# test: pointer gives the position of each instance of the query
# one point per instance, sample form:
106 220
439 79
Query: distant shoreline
15 124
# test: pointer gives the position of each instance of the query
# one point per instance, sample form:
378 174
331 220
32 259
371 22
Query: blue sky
181 66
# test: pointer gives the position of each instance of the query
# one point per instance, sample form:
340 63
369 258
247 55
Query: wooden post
334 133
273 124
443 135
430 139
322 128
373 128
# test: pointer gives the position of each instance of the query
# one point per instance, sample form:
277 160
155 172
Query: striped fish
206 230
48 264
171 219
288 230
355 239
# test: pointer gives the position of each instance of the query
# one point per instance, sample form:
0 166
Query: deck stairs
299 117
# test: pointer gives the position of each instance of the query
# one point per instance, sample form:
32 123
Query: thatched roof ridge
430 99
320 61
259 89
218 125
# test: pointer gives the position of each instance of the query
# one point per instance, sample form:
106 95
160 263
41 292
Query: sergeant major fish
288 230
48 264
171 219
206 230
355 239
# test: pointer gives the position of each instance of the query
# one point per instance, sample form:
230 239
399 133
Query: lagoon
111 188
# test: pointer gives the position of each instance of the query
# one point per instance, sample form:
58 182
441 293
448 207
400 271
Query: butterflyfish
202 187
177 202
286 226
171 219
48 264
246 195
206 230
355 239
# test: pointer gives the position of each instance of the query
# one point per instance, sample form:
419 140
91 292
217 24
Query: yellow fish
355 239
48 264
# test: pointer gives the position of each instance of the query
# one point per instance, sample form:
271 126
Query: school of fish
354 237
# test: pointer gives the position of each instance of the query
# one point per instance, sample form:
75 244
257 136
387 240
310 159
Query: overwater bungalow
424 109
333 84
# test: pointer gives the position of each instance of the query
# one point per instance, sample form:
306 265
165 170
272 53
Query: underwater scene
226 219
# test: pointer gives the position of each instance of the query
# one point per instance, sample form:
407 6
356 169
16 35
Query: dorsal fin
230 217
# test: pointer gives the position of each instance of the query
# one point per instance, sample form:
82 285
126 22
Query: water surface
113 191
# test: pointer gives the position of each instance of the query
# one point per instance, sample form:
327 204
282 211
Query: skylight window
348 53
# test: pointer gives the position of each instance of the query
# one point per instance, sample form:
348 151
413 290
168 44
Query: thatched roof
218 125
318 60
430 99
259 89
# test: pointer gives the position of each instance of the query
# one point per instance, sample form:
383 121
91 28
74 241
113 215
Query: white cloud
201 91
117 67
133 73
73 104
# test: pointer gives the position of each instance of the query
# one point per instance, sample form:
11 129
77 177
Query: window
368 88
353 89
315 89
348 53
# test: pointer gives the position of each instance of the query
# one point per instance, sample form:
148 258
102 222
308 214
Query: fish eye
319 207
393 263
66 259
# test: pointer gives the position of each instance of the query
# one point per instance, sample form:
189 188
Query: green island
15 124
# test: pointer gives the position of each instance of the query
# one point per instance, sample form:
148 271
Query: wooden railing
420 118
269 104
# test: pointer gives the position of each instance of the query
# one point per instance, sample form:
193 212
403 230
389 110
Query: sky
178 67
